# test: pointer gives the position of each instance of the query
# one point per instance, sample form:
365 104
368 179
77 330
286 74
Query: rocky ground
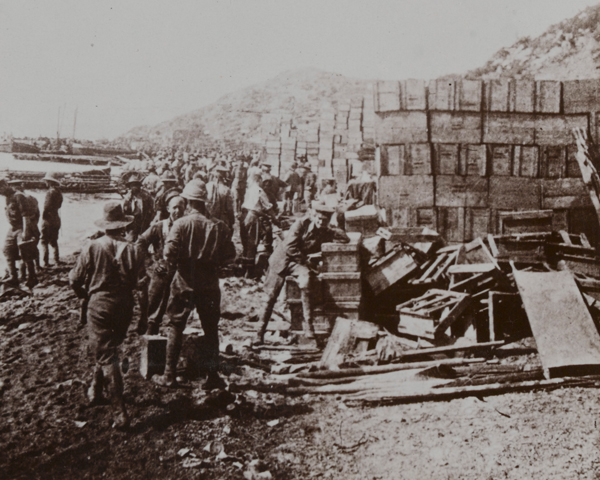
48 431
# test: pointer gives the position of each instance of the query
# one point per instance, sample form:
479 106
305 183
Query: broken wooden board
566 337
343 340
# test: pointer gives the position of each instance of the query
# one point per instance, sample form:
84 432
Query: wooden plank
339 344
554 306
456 127
449 349
525 222
458 191
453 315
416 326
471 268
401 127
509 128
588 171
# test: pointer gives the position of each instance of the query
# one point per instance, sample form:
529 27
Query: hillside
569 50
254 113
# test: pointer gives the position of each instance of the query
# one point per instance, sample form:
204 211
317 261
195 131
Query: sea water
78 212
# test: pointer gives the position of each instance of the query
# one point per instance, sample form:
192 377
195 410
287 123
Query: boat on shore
91 181
91 160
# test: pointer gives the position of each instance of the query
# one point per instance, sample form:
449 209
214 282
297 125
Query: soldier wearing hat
220 200
291 258
51 219
106 274
293 190
239 184
23 214
196 247
138 203
310 184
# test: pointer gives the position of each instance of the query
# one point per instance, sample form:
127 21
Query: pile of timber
92 181
481 318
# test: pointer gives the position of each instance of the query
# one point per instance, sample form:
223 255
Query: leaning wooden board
567 339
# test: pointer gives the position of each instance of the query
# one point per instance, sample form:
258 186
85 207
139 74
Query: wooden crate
446 159
553 161
497 92
509 128
565 193
408 217
473 160
573 169
526 161
534 221
387 96
451 223
501 157
558 129
456 127
521 96
341 286
581 96
393 160
406 191
548 96
477 223
414 95
397 265
469 94
518 193
401 127
341 257
441 95
419 161
459 191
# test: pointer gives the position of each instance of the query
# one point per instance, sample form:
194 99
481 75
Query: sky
126 63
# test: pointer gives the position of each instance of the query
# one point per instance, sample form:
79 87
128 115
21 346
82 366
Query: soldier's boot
94 392
307 313
114 380
12 280
45 256
259 339
56 253
174 342
142 325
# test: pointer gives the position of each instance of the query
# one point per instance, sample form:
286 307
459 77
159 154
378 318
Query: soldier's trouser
207 302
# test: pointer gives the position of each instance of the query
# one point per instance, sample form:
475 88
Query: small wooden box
341 287
153 355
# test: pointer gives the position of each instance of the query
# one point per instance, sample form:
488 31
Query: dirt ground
48 431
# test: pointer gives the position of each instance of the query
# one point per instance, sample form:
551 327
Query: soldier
106 274
51 219
154 299
23 214
238 187
291 258
220 201
195 249
293 190
152 181
310 185
139 204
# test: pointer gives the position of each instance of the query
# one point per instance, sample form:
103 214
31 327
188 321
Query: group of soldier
168 242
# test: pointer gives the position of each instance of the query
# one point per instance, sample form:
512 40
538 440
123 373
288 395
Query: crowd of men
168 239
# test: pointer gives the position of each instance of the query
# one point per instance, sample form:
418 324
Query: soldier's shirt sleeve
173 244
79 274
294 240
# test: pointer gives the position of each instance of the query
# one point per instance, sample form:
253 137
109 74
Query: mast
75 121
58 125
